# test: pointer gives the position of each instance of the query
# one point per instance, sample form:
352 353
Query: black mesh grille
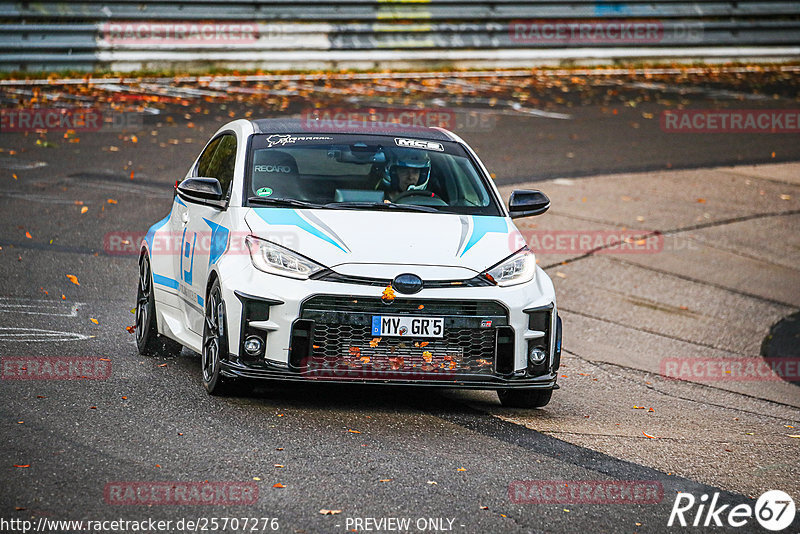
343 343
401 306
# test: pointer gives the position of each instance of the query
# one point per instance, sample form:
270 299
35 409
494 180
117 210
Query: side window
205 159
222 163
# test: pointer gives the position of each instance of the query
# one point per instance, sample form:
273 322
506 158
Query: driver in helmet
407 170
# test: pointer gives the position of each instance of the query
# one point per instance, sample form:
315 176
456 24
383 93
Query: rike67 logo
774 510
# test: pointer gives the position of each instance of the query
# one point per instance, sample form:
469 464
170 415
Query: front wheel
148 340
215 343
524 398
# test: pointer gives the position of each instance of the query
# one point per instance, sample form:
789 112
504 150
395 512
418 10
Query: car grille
343 345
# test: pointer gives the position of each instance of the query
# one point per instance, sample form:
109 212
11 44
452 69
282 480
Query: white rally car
370 256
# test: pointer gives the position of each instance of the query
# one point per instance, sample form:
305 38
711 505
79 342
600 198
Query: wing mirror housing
202 190
527 202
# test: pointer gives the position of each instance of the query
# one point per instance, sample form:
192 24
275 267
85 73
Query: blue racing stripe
482 225
165 281
152 232
289 217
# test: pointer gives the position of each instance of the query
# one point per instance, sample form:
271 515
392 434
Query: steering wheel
417 193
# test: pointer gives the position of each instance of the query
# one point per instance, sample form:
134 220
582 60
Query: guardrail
126 35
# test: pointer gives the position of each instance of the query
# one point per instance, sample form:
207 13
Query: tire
148 340
215 343
524 398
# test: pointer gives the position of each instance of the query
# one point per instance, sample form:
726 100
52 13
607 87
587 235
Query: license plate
404 326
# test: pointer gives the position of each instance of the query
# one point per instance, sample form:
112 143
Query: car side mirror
527 202
203 190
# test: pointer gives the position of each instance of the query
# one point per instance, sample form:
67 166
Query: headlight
517 269
271 258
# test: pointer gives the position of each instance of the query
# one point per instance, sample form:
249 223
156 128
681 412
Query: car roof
284 126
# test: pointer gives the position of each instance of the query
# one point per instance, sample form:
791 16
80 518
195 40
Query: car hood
383 244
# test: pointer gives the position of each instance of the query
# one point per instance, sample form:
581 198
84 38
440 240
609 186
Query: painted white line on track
35 198
37 335
40 307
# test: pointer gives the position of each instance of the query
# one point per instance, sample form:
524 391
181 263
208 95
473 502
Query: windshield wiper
285 202
380 206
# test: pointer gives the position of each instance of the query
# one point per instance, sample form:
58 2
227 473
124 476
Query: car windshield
365 172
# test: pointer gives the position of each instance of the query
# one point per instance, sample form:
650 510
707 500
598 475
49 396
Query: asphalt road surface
443 460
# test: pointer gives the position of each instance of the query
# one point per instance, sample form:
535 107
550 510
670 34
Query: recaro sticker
417 143
273 168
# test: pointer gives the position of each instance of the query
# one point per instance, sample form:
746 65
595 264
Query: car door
204 237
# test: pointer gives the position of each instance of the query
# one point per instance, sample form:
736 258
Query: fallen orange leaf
278 485
84 210
353 431
73 279
388 293
28 235
95 321
111 201
648 435
26 465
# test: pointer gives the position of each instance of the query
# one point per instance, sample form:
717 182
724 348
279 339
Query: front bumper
237 370
317 330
